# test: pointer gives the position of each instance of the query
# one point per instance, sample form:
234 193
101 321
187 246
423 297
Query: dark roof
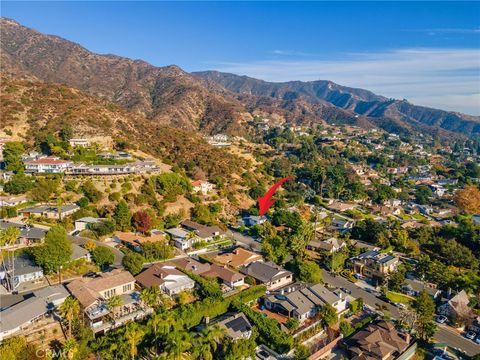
24 265
26 231
265 271
191 225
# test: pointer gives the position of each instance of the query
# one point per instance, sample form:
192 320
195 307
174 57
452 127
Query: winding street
444 334
118 254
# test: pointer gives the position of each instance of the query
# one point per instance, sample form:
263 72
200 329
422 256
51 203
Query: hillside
32 109
379 109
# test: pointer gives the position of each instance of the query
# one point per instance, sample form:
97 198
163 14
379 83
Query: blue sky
428 53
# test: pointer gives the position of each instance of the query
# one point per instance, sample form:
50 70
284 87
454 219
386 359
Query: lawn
399 298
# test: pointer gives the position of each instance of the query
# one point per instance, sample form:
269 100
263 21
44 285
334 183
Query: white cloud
444 78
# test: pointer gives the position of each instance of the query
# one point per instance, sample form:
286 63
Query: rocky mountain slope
211 102
359 101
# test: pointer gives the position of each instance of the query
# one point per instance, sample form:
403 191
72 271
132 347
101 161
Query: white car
400 306
441 319
470 335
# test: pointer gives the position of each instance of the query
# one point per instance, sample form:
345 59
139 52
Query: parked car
471 335
400 306
441 319
346 291
477 340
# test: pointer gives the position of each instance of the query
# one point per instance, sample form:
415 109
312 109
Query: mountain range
210 101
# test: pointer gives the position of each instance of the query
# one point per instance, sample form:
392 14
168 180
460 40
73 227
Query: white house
86 222
202 186
47 164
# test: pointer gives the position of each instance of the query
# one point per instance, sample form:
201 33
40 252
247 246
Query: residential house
202 186
330 245
236 326
268 273
13 200
29 235
228 277
191 265
86 223
50 211
80 253
21 270
20 316
47 164
457 308
238 258
182 239
305 302
341 225
253 220
136 241
339 206
93 294
165 275
379 340
413 287
374 265
79 142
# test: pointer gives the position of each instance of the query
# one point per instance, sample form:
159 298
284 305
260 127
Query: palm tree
177 344
113 303
7 239
151 296
70 309
133 334
70 347
207 342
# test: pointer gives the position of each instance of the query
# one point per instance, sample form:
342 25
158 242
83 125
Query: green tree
424 306
113 303
134 335
152 296
103 256
328 314
70 348
308 271
133 262
12 156
8 237
19 184
207 342
69 310
56 251
301 353
122 216
292 323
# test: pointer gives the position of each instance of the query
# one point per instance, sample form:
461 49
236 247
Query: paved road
444 333
118 254
244 240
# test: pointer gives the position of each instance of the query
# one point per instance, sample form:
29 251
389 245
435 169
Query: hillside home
29 235
13 200
170 280
47 164
457 308
305 302
339 206
20 316
378 341
50 211
236 326
93 294
330 245
22 270
237 258
374 265
230 278
80 253
413 287
79 142
136 241
86 223
202 186
268 273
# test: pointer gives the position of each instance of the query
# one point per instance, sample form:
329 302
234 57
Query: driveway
118 254
443 335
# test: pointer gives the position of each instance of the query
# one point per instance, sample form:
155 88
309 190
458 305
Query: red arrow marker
266 201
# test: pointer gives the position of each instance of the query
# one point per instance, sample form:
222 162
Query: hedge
193 314
269 331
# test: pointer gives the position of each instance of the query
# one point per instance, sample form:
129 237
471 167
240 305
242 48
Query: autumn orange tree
468 199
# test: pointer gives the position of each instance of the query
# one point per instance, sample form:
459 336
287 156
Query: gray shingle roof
265 272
